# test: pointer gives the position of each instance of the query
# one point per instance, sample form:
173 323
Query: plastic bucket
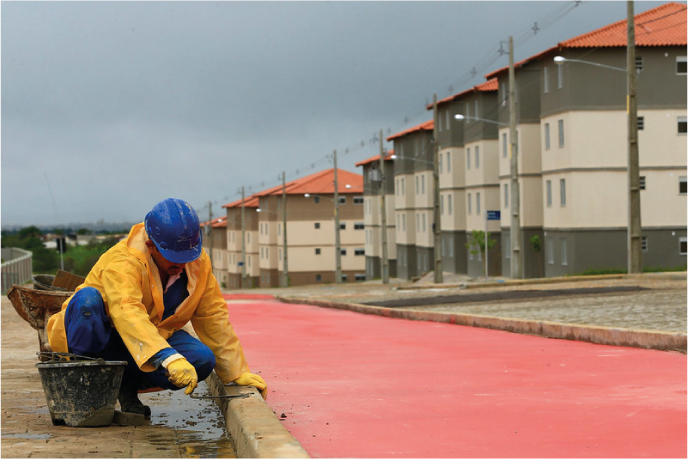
81 393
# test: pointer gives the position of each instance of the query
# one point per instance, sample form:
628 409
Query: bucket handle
66 356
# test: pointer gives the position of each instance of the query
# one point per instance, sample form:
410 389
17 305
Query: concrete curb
647 339
252 424
514 282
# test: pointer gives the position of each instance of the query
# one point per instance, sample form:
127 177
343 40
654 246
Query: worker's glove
249 379
182 374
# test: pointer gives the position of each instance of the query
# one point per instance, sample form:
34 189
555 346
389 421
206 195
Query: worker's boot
129 398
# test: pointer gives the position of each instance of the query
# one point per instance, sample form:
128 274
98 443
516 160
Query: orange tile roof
249 201
319 183
661 26
490 85
215 221
427 126
388 156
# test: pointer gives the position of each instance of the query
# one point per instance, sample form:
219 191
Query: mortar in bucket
80 391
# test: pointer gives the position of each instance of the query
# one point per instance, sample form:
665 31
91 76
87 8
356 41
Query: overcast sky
110 107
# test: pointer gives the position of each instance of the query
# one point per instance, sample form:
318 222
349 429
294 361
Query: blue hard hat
174 228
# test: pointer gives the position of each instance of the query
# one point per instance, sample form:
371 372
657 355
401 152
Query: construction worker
137 298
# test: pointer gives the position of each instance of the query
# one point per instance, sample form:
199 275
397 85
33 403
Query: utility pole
337 243
243 239
384 268
285 270
635 259
438 268
515 233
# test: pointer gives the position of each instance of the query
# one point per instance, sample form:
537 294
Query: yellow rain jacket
129 282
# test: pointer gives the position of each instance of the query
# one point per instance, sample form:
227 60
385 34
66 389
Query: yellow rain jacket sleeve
129 282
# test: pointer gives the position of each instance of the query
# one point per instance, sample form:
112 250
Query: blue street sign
493 215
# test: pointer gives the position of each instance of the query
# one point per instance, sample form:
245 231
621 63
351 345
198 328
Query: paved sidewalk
355 385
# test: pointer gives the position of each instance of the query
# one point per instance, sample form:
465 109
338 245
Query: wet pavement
179 426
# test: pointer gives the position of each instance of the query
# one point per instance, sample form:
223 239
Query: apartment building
215 243
414 200
310 230
573 147
243 266
469 184
372 214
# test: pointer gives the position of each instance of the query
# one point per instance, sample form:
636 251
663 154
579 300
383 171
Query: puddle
198 424
28 436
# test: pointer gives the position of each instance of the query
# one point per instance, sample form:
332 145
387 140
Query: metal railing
16 267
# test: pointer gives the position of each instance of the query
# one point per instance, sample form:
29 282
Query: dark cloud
109 107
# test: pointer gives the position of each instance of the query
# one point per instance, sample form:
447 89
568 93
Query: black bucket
81 392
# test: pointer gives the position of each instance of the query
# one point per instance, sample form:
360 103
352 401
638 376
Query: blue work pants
90 333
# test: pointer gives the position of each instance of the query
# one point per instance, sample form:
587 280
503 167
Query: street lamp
634 232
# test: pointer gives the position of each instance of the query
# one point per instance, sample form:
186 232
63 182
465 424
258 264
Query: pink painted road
355 385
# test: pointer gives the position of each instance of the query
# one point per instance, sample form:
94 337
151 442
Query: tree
537 248
476 244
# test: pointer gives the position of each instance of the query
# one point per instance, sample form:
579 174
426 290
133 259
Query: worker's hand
249 379
181 374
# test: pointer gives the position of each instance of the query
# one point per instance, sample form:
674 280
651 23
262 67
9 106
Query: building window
506 195
396 188
507 248
641 183
417 223
318 277
359 225
562 191
681 121
316 200
469 204
545 79
440 164
560 76
441 204
641 123
448 162
360 277
342 199
279 229
680 65
403 186
403 222
564 247
449 204
547 136
638 64
317 251
549 193
549 247
359 252
422 184
477 157
643 243
504 145
417 184
682 245
477 112
561 133
342 226
342 252
477 204
317 225
423 218
345 277
682 188
358 199
280 254
468 158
